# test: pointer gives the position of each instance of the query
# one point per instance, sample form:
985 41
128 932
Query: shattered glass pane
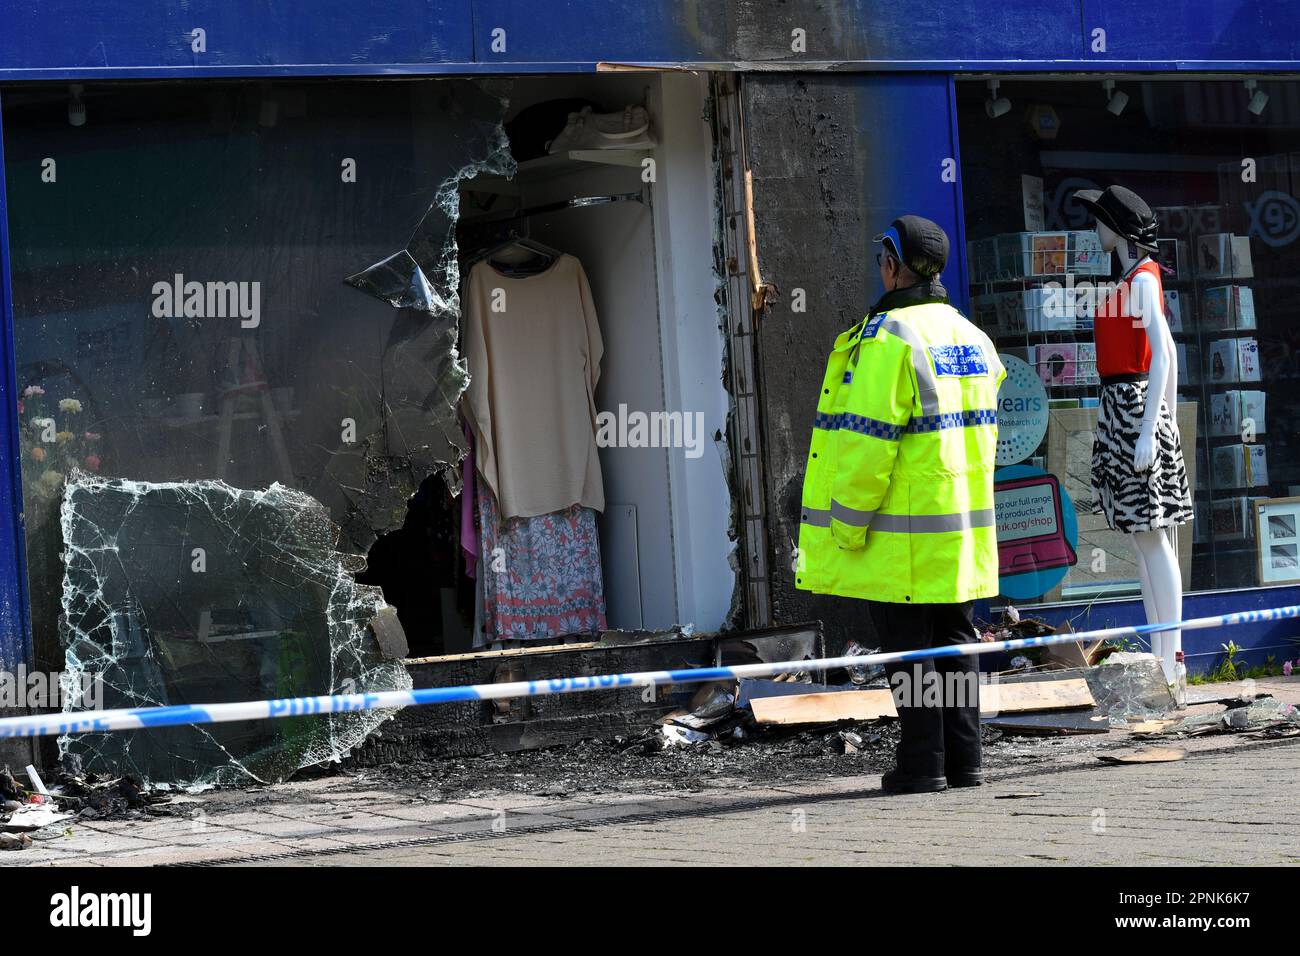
1130 685
426 274
180 305
196 592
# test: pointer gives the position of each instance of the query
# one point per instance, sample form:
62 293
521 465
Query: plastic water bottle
1180 681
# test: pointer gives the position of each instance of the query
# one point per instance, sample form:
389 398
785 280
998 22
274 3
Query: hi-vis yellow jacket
898 492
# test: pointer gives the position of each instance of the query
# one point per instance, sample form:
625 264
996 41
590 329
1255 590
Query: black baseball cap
1124 211
918 243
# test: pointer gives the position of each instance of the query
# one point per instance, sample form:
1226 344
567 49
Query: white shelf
552 167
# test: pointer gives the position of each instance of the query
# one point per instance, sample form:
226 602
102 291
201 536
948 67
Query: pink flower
92 462
92 436
1286 668
20 406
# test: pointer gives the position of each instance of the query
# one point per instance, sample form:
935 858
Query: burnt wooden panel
464 729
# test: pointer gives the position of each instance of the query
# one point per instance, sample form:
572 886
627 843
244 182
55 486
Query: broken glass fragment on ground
196 592
1265 713
1130 685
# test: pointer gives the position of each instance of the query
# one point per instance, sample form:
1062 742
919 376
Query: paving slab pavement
1229 802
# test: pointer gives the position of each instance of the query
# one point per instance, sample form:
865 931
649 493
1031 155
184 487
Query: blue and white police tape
145 718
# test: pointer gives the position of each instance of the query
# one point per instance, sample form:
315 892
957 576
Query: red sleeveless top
1122 344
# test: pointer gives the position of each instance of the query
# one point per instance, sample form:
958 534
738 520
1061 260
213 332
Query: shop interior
290 191
1217 159
601 203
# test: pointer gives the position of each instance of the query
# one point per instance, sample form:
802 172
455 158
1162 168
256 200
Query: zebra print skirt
1133 501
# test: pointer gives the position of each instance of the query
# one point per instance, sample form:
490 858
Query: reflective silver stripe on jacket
926 380
821 517
851 516
897 524
817 517
934 524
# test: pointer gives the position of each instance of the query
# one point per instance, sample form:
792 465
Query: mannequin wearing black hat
1138 468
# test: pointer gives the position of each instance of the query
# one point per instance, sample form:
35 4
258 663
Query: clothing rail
578 202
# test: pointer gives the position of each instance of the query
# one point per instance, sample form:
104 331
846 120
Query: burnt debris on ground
1052 710
643 765
1054 703
41 811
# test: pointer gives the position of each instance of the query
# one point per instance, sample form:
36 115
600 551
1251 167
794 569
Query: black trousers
937 699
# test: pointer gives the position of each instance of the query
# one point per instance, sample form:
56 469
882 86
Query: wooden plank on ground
752 688
824 708
1034 696
878 702
1144 755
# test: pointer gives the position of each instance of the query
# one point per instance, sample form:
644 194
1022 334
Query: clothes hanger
541 248
537 258
548 255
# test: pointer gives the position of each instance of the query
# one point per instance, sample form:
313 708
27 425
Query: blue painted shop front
908 71
1277 640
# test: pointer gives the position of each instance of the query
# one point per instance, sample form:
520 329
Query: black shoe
895 782
965 778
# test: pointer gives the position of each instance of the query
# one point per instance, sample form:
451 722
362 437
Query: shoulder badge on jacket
961 361
872 326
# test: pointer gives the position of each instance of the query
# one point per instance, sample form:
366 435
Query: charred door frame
747 298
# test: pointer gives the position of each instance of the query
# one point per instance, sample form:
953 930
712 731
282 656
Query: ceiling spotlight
1258 98
1116 100
995 105
76 108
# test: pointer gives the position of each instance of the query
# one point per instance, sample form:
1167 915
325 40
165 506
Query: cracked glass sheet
196 592
292 186
425 275
1128 685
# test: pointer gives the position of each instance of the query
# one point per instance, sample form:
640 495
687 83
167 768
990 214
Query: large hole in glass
186 342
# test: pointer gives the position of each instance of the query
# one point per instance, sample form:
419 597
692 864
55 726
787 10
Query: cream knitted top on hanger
533 347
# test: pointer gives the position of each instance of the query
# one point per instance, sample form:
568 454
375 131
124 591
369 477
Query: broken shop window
277 300
299 380
336 403
195 592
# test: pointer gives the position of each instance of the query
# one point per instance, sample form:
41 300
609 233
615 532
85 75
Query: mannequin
1141 502
1158 571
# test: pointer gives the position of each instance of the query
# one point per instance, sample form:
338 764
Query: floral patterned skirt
541 576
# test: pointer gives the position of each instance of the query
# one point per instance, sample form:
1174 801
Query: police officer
898 497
